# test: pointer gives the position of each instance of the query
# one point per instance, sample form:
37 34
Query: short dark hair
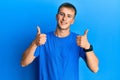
68 5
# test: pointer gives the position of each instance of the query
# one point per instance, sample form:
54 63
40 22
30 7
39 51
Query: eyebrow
64 13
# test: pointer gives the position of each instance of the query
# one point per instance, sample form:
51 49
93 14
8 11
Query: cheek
71 21
58 18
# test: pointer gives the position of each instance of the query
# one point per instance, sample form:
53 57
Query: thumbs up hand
40 38
82 41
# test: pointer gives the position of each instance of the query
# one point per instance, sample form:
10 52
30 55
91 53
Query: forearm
28 55
92 61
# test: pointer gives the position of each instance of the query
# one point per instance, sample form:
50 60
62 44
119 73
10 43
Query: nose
64 17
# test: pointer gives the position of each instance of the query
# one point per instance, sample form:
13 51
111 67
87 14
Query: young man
59 51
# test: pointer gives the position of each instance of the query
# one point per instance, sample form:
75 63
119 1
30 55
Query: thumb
86 32
38 29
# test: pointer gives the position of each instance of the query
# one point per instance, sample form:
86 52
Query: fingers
78 40
41 39
38 29
86 32
81 41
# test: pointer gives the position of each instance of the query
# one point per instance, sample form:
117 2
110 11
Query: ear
56 16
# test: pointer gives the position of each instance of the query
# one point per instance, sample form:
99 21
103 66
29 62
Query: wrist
34 43
87 46
88 49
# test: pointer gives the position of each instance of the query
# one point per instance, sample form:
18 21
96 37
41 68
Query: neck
62 33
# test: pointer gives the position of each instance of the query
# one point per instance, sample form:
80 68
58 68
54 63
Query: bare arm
91 59
28 55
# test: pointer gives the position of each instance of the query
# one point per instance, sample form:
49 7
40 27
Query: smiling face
65 18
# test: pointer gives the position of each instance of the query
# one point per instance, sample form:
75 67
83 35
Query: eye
62 14
69 16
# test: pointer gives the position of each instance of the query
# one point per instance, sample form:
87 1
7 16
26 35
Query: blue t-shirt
59 57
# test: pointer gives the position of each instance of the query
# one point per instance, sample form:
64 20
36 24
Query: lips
63 23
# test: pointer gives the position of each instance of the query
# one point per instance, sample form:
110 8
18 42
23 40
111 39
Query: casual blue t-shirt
59 58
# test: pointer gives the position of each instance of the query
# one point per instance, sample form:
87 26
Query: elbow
23 64
26 62
95 70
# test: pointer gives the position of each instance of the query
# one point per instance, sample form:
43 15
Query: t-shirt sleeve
82 54
37 51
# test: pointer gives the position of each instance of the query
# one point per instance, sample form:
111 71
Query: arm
91 59
28 55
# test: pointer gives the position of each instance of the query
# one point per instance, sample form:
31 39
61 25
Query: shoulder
50 34
74 34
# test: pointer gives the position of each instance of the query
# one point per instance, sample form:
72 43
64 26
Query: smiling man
59 51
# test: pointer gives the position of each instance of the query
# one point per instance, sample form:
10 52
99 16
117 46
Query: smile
63 23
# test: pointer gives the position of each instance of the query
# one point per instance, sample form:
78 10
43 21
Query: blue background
18 21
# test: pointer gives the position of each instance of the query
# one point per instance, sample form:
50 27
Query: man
59 51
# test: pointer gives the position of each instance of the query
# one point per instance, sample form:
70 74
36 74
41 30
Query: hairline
68 5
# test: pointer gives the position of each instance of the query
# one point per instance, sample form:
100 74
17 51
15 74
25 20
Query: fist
40 38
82 41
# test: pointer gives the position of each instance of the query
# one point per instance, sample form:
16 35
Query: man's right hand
40 38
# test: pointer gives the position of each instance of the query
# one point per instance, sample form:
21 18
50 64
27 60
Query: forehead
67 10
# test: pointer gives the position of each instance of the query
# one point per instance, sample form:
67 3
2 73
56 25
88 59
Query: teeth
63 22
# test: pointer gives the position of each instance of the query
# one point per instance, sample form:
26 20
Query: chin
63 27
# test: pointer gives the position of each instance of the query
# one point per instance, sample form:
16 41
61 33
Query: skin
64 18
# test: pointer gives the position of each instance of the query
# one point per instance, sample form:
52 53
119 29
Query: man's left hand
82 41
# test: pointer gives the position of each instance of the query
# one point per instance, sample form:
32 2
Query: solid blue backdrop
18 21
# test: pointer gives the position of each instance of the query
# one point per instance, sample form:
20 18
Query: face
65 18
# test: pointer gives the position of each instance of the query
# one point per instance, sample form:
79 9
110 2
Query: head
65 15
68 5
